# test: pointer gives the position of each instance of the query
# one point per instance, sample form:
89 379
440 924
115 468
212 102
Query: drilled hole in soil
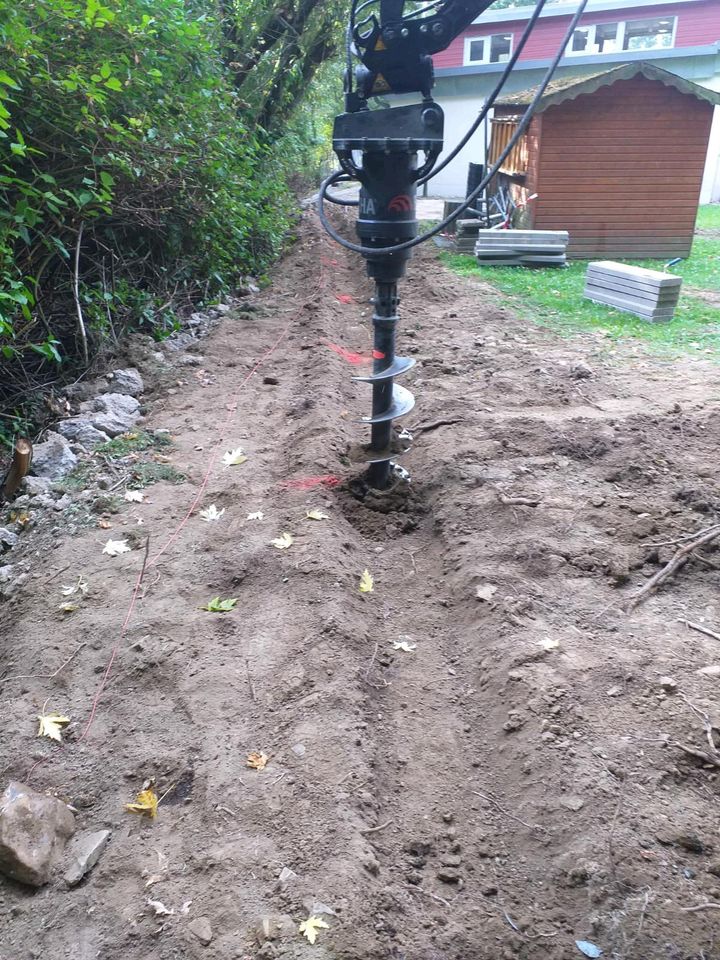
380 514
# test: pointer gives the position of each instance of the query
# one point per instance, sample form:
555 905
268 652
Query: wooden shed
616 158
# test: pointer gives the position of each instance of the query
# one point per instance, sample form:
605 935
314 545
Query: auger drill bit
389 400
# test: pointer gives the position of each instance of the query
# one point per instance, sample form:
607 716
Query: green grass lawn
554 297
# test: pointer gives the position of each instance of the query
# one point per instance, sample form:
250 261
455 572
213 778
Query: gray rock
200 928
128 382
298 749
33 832
6 573
81 430
87 849
34 486
8 539
53 459
112 413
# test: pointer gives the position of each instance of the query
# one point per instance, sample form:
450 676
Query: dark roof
567 88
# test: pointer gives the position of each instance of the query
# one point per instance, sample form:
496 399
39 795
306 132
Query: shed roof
567 88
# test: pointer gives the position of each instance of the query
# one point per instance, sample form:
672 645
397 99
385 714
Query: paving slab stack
522 248
649 294
466 234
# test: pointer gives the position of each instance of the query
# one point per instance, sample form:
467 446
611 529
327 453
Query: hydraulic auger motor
388 176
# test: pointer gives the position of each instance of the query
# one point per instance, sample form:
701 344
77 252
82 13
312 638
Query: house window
495 49
600 38
649 34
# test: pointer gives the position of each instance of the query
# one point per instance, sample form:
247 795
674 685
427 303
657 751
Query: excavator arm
395 50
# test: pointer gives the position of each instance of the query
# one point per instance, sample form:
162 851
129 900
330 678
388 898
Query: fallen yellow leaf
51 725
310 927
366 582
283 542
233 458
146 803
258 761
316 515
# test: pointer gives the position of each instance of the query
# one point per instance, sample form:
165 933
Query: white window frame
488 46
622 26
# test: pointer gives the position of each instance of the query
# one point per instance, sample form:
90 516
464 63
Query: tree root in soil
678 561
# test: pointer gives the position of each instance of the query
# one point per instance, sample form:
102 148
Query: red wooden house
616 159
681 36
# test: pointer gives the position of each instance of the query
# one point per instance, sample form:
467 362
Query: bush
129 184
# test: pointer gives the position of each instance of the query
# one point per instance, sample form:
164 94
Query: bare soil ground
501 791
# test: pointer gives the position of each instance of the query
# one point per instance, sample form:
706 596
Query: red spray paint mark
307 483
344 298
349 355
378 355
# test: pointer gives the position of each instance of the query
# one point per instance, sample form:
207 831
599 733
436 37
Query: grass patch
123 453
78 479
554 297
708 217
145 474
128 443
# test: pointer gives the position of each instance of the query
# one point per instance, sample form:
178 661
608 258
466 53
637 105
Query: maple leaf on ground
316 515
160 909
51 725
367 584
80 587
216 605
256 760
146 803
404 646
549 643
282 542
68 607
309 928
211 513
233 458
114 548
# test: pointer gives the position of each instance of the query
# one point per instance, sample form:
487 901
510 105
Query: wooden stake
22 455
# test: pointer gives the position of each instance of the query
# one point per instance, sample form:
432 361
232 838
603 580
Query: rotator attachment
388 176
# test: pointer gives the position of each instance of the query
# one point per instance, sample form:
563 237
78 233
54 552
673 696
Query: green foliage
554 298
134 180
128 443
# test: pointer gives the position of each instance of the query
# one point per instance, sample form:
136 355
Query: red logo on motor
400 204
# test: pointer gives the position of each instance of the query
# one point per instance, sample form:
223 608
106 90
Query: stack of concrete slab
522 248
466 234
649 294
